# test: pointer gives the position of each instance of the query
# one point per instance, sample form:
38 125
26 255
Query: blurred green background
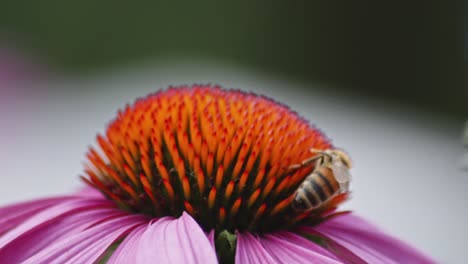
409 51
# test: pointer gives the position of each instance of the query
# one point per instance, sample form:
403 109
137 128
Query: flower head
220 155
197 174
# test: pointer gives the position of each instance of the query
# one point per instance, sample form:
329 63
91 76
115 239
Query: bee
330 177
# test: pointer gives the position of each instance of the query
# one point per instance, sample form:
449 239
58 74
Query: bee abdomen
316 189
330 186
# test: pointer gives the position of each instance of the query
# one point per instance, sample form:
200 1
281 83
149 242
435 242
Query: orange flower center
221 155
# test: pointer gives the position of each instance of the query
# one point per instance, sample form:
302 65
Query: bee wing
341 172
342 175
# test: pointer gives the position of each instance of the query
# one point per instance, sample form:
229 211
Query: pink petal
211 238
89 245
30 204
66 207
368 242
342 253
13 215
169 240
89 192
250 251
125 253
286 247
17 66
47 233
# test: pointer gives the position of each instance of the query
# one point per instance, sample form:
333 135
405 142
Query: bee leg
310 160
304 162
314 150
294 166
321 152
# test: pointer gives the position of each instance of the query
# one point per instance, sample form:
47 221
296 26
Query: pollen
220 155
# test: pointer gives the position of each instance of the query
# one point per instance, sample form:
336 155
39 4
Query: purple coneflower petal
89 245
170 240
368 242
286 247
15 214
211 238
89 192
63 208
48 232
125 253
17 66
250 251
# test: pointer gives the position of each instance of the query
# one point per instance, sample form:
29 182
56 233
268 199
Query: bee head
343 156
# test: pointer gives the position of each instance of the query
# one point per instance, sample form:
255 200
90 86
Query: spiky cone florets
221 155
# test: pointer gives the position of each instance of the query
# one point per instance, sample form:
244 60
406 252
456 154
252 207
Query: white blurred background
407 176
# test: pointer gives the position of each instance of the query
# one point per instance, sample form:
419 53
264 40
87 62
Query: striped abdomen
315 190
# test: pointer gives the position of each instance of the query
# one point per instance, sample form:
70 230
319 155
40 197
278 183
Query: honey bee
330 177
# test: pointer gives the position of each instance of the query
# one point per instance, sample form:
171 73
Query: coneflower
196 175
